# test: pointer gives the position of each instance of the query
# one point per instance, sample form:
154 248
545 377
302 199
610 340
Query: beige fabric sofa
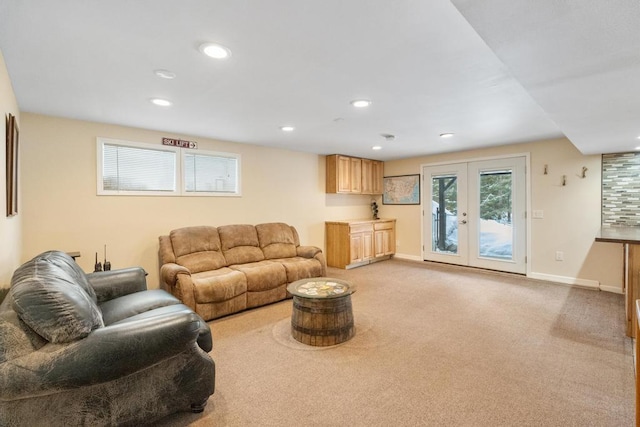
222 270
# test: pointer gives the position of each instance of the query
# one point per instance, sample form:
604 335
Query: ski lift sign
179 143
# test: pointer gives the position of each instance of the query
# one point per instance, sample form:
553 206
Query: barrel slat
322 321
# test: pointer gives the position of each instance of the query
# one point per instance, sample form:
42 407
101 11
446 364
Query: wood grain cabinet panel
359 242
353 175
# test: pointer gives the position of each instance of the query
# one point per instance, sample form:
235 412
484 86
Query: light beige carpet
435 345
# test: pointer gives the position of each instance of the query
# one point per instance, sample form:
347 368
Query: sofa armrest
169 273
308 251
116 283
106 354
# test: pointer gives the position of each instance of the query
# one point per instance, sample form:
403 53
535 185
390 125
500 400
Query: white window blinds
138 169
135 168
210 173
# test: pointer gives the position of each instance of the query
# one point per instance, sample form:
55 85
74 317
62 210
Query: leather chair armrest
116 283
308 251
106 354
169 273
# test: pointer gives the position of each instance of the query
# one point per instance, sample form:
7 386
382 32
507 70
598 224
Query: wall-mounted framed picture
12 165
401 190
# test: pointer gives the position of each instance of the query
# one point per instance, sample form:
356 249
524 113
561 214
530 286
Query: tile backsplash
621 189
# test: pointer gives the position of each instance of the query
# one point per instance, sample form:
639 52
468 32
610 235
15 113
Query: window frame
183 182
179 178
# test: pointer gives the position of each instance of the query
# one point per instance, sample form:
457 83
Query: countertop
360 221
629 235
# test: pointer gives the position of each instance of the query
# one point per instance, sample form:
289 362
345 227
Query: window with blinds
207 173
132 168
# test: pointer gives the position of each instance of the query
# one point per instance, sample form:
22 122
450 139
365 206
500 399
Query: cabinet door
344 174
384 243
367 245
384 238
377 173
379 243
355 174
356 247
367 176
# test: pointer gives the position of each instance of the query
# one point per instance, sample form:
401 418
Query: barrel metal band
324 332
320 310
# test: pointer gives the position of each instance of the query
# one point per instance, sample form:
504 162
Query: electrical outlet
559 256
397 243
538 214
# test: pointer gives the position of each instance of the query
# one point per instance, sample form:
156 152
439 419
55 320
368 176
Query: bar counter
630 238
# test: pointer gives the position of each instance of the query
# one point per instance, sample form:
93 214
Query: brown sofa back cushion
240 244
197 248
277 240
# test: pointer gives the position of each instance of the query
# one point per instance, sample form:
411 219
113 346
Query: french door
474 214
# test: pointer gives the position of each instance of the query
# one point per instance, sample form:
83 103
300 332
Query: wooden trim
635 361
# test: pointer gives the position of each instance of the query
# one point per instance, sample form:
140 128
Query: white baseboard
563 280
408 257
573 281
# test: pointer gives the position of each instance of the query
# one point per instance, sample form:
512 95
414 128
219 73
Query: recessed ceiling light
287 128
165 74
446 135
215 50
376 147
360 103
161 102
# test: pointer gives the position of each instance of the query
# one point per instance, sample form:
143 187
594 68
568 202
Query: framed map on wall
401 190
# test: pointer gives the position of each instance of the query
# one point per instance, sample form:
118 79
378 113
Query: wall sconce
546 169
584 171
564 180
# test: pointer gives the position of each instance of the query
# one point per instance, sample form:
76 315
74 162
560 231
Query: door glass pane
444 214
496 227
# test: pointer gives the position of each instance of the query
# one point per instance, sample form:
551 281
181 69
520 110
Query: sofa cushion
218 285
276 240
197 248
263 275
49 299
126 306
301 268
240 244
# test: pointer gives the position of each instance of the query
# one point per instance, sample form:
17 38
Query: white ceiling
492 72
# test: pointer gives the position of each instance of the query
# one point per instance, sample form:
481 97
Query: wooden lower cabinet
359 242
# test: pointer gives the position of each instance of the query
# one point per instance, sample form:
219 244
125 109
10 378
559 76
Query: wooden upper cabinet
372 172
353 175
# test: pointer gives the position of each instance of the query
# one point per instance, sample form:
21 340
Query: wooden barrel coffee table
322 313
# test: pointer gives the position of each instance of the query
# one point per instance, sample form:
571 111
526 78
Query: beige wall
571 213
9 227
59 207
62 211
